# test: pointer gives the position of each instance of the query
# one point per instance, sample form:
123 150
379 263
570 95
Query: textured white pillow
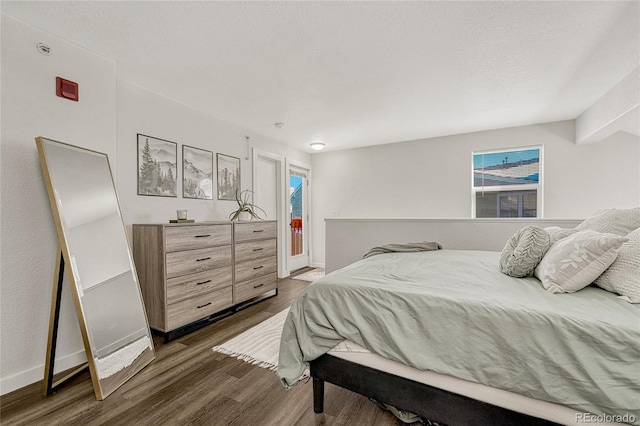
623 276
523 251
576 261
614 221
556 233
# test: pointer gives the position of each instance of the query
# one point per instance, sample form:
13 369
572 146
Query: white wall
30 108
146 112
349 239
431 178
107 118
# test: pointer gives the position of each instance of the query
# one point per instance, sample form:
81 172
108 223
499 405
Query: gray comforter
454 313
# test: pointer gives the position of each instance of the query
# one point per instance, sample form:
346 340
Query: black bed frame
426 401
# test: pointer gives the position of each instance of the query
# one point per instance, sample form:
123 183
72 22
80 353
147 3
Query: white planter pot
244 216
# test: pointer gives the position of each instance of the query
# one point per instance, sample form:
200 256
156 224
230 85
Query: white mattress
350 351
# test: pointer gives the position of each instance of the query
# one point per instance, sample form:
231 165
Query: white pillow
614 221
523 251
576 261
556 233
623 276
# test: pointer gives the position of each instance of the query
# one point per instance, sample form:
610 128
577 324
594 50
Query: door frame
287 207
281 210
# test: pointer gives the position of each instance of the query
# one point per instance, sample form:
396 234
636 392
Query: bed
447 336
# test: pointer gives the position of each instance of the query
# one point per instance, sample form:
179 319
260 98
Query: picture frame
157 167
228 169
197 173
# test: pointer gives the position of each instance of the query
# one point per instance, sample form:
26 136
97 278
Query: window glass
530 204
506 168
507 204
507 183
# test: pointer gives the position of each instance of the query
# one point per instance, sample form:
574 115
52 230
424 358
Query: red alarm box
67 89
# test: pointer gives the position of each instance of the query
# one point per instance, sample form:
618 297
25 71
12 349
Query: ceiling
360 73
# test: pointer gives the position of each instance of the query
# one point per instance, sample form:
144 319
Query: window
507 183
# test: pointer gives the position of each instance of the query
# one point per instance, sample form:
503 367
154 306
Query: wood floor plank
190 384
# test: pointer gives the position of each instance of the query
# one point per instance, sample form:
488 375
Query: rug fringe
251 360
246 358
259 345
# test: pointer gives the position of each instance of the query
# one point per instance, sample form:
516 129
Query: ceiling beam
618 109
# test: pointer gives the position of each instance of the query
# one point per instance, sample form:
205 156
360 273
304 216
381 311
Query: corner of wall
30 108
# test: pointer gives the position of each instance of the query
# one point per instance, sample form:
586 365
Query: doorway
298 208
268 184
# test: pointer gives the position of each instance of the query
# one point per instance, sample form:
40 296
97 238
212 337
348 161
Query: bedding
403 248
454 313
556 233
576 261
614 221
623 276
524 251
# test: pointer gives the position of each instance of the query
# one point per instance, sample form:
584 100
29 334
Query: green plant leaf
242 198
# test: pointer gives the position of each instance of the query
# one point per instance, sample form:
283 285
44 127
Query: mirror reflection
99 258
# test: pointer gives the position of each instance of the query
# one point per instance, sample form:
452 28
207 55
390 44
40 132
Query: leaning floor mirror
95 257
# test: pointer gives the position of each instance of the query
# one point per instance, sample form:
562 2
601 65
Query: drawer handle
258 230
204 282
258 267
258 286
258 249
204 258
202 306
202 236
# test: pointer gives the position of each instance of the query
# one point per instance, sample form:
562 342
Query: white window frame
539 187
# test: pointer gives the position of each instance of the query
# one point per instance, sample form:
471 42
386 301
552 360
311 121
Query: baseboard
317 265
36 374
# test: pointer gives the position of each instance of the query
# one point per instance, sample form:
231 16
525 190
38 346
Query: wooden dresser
190 272
255 260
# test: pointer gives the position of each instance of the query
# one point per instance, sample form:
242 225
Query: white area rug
312 275
259 345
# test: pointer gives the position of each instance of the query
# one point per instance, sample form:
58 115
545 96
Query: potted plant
246 210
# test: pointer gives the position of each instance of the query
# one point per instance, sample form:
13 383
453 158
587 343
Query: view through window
507 183
295 194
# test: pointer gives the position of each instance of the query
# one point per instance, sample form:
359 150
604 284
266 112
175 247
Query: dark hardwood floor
189 384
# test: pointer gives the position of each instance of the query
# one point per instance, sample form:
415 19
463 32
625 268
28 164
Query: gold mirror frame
115 361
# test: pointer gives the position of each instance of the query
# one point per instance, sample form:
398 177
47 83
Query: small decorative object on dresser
186 271
246 209
182 217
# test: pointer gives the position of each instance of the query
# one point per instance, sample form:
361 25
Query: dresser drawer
187 286
255 287
255 268
198 236
187 311
191 261
255 250
255 231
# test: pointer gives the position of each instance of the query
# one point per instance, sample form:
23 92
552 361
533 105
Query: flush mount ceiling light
317 145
